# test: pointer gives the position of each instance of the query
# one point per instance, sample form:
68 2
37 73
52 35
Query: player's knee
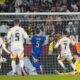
60 59
70 61
13 59
35 60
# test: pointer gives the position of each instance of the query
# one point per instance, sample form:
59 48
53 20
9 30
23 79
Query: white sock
0 66
22 66
13 66
73 66
41 68
21 63
61 64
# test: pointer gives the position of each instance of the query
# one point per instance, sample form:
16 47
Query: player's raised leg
36 62
60 61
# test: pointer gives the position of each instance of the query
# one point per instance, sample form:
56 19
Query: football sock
22 67
41 69
61 63
13 64
73 66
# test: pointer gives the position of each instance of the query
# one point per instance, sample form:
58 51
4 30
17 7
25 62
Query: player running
16 36
37 43
2 46
65 42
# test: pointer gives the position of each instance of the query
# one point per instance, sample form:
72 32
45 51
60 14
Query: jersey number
65 44
16 36
37 44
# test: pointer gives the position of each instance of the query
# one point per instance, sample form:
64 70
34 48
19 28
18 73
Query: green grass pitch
41 77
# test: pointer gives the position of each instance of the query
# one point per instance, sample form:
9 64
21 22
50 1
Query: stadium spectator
4 28
19 5
39 5
78 48
78 4
72 28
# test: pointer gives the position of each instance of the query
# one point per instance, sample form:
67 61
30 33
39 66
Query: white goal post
43 13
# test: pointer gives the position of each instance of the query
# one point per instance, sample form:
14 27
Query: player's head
64 33
16 22
37 31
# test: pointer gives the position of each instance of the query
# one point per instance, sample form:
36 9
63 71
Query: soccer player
15 37
64 42
29 69
2 46
37 43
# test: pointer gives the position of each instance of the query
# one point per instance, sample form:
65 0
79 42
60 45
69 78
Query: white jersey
16 35
65 44
65 48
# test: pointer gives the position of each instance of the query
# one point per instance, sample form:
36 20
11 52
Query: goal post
50 23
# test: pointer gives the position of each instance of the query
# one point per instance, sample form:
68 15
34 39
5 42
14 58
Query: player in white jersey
65 42
16 36
2 46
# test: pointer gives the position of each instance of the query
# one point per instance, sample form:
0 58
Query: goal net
51 25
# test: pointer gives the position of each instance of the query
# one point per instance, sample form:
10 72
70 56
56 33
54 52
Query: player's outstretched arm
9 35
57 44
4 47
28 41
26 37
72 41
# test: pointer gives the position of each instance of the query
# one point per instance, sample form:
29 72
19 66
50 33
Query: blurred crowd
49 25
39 5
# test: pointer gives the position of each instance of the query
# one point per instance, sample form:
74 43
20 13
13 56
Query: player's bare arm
57 44
4 47
26 37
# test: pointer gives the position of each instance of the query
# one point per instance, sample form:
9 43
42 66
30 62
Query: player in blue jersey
37 43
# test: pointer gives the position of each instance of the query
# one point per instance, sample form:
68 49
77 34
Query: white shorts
17 51
66 56
17 46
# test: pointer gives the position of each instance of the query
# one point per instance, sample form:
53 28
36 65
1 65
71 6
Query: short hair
16 21
37 30
64 32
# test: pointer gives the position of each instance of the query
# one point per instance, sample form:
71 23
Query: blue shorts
35 55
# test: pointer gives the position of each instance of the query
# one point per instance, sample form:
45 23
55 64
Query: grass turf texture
41 77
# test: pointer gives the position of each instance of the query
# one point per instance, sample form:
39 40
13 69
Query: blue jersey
37 42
